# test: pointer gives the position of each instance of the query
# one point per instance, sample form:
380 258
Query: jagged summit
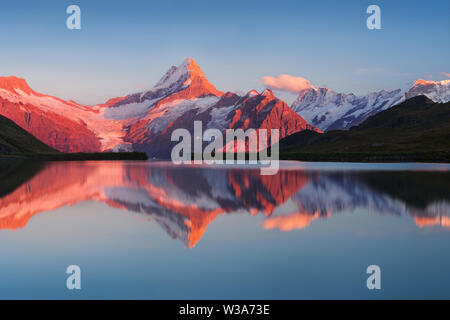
187 80
438 91
193 68
267 93
187 70
252 93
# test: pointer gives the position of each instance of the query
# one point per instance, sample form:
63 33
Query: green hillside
415 130
14 139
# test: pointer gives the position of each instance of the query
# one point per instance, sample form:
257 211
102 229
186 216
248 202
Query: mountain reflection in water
184 200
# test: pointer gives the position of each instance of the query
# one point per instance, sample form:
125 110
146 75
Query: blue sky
126 46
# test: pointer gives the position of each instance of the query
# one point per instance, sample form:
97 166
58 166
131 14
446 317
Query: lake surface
153 230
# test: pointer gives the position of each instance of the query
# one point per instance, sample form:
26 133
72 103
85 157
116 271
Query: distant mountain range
329 110
144 121
417 129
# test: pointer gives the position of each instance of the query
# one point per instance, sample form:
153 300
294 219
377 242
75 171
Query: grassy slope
13 139
415 130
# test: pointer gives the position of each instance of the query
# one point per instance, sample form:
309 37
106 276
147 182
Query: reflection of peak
441 219
185 200
265 193
330 193
289 222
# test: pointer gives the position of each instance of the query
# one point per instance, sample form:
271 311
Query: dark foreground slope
415 130
13 139
16 143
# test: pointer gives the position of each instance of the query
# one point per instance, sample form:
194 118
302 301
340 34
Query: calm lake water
153 230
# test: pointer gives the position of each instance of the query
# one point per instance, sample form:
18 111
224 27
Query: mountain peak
423 82
267 93
187 81
438 91
430 82
252 93
185 72
193 67
14 83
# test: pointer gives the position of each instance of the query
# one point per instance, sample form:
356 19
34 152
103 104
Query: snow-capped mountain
184 95
64 125
144 121
438 91
329 110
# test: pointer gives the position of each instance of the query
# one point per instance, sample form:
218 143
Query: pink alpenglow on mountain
61 124
144 121
438 91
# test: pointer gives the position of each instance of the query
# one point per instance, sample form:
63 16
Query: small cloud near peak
446 74
286 82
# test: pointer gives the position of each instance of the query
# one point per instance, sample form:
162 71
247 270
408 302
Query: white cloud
286 82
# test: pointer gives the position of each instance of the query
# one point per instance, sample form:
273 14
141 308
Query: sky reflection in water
155 230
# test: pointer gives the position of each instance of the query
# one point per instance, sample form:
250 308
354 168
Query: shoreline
105 156
357 157
365 157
